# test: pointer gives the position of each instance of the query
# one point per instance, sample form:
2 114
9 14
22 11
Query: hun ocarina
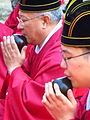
64 84
20 41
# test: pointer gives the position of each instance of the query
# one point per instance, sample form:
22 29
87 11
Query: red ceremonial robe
26 87
82 113
4 31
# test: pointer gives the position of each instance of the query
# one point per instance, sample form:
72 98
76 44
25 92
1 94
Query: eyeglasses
28 19
68 58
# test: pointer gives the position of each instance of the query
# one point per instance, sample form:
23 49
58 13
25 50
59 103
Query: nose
20 25
63 64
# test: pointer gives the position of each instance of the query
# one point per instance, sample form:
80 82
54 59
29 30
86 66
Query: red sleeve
12 21
4 31
2 104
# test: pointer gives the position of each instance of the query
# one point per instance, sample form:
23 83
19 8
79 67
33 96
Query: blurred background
5 9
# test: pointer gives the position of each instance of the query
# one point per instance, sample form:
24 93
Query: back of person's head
76 31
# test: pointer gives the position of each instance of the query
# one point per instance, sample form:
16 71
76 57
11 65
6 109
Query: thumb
23 52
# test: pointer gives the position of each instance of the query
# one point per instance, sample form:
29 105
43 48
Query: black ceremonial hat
39 5
76 31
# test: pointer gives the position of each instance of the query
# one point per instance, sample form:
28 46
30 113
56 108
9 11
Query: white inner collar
88 102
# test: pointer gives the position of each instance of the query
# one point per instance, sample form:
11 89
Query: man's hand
58 105
11 55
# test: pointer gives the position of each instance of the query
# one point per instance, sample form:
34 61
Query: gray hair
55 14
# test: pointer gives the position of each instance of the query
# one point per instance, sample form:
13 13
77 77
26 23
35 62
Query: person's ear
46 21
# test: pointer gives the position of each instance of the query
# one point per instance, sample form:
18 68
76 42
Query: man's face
30 24
76 62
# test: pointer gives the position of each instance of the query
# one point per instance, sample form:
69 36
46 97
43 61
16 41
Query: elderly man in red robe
40 22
